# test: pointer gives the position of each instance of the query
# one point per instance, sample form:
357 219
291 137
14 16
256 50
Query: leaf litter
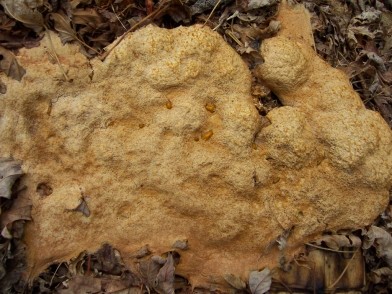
355 36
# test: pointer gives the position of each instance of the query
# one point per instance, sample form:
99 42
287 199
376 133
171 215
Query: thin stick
329 249
55 55
283 284
212 12
55 272
344 271
119 20
103 56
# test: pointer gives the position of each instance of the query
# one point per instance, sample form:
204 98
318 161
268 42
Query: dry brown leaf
109 260
335 242
62 25
10 66
142 252
165 277
10 171
366 17
21 11
75 3
235 281
260 281
20 210
378 273
5 233
360 25
254 4
381 240
181 244
83 207
88 17
113 284
6 24
148 270
82 285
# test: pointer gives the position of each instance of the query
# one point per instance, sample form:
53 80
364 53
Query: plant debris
15 209
260 282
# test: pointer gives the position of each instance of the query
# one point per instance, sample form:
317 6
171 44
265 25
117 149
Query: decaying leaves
82 284
338 241
109 260
181 244
15 209
235 281
20 210
10 66
99 272
21 10
254 4
142 252
82 207
158 273
62 25
10 171
165 277
376 275
260 281
381 240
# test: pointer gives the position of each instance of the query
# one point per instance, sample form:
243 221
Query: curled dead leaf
181 244
10 66
260 281
165 277
5 233
10 171
381 240
377 274
338 241
22 11
82 284
87 17
62 25
254 4
20 210
142 252
83 207
235 281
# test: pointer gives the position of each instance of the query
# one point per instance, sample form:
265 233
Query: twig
119 20
344 270
160 9
55 272
55 55
283 284
329 249
212 12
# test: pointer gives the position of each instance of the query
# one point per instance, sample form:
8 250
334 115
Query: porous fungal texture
163 143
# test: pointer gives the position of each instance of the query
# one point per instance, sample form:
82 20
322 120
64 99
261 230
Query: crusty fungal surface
203 169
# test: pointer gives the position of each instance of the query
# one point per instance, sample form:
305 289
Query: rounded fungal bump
169 104
211 107
207 135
